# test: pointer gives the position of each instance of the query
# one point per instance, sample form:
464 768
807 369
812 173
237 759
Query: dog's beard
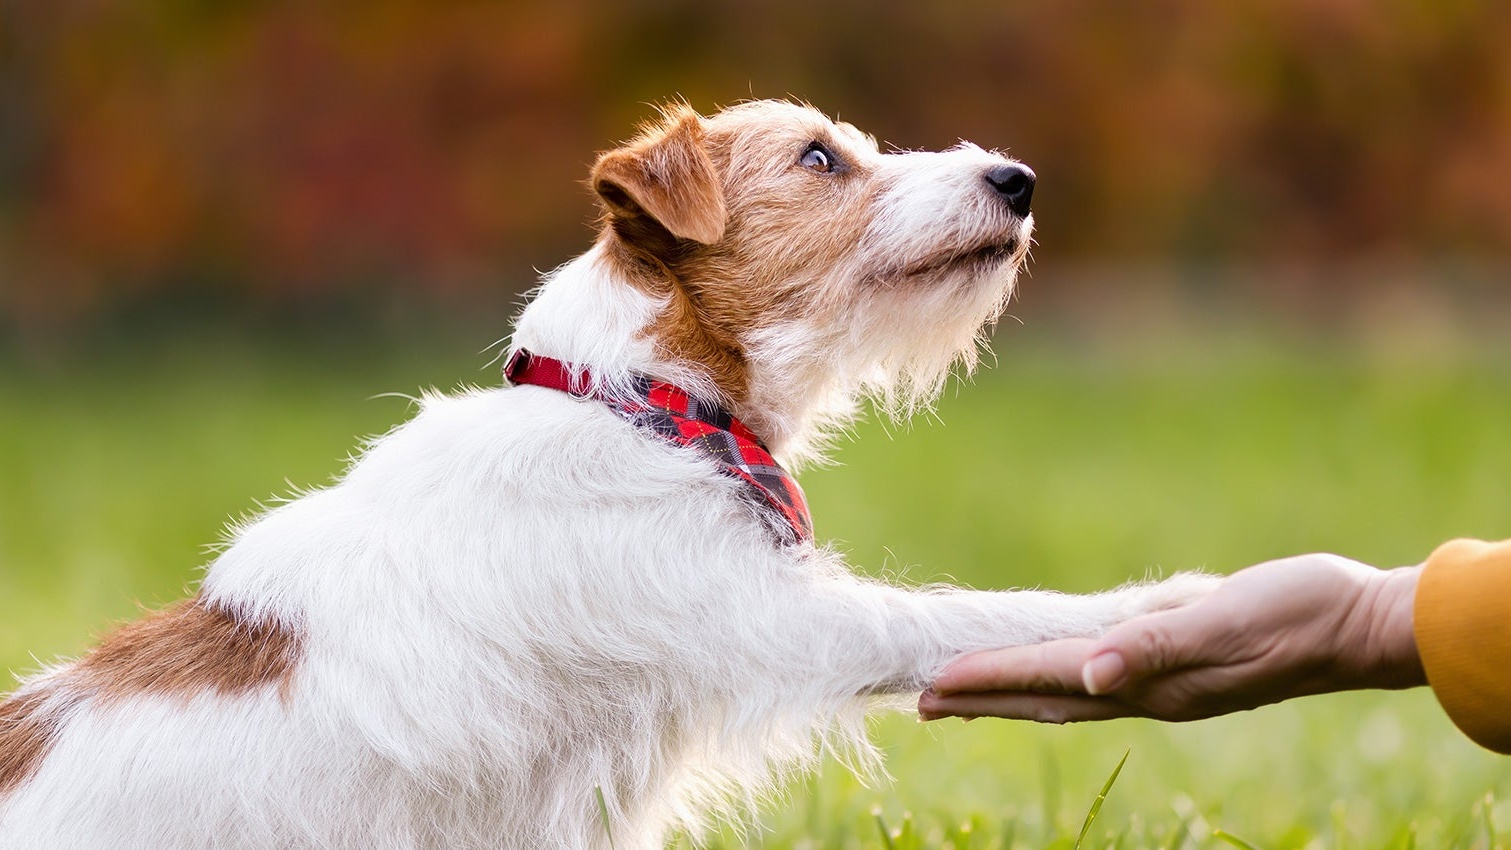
942 322
907 335
896 344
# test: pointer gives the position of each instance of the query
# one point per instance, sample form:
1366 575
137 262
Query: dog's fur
517 601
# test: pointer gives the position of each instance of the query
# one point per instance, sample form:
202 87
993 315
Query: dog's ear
665 175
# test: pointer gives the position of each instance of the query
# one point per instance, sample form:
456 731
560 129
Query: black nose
1015 183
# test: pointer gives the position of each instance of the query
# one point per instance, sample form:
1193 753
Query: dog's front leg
886 639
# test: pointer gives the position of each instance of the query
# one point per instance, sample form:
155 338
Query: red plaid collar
686 421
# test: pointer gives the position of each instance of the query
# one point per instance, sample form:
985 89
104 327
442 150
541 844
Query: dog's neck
586 314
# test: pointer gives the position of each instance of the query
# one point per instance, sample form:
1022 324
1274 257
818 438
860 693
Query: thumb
1146 646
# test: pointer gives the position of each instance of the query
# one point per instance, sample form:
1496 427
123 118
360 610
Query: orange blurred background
287 157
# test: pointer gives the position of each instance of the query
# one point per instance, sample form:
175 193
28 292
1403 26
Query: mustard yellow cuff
1462 622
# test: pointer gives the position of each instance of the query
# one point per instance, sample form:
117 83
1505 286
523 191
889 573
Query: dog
585 607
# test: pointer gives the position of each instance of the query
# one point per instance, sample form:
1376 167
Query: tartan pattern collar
680 418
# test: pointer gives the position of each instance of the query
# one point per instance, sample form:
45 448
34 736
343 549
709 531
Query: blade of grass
964 834
603 815
1096 805
881 824
1051 777
1488 809
1230 838
1177 837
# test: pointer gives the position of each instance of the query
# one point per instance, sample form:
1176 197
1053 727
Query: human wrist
1387 654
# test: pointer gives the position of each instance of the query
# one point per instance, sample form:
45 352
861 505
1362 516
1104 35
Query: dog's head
798 263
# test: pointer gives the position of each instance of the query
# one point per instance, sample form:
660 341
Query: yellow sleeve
1462 621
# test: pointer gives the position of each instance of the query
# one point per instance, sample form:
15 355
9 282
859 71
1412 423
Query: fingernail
1104 672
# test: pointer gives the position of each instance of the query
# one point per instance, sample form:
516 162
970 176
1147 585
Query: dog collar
680 418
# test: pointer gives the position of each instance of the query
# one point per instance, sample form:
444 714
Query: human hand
1304 625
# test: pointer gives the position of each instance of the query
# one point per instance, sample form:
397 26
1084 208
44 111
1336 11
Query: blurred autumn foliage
288 153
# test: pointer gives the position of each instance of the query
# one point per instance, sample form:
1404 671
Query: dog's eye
816 158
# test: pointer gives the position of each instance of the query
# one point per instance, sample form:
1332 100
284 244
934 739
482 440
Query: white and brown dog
591 594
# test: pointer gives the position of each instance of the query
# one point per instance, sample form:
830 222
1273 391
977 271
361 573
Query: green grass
1073 464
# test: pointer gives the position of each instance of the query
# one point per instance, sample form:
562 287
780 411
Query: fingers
1134 651
1155 644
1043 708
1053 667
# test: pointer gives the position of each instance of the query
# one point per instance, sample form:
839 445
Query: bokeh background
1269 312
286 157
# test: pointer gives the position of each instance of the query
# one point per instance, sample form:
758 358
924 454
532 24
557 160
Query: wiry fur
517 601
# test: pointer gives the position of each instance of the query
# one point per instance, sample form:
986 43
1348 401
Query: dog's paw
1174 592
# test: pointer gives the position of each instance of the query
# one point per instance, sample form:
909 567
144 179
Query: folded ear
665 175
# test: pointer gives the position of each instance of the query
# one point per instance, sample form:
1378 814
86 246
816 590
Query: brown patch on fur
187 649
686 330
26 733
666 176
665 203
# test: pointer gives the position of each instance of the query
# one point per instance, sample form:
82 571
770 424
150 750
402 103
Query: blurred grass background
1269 312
